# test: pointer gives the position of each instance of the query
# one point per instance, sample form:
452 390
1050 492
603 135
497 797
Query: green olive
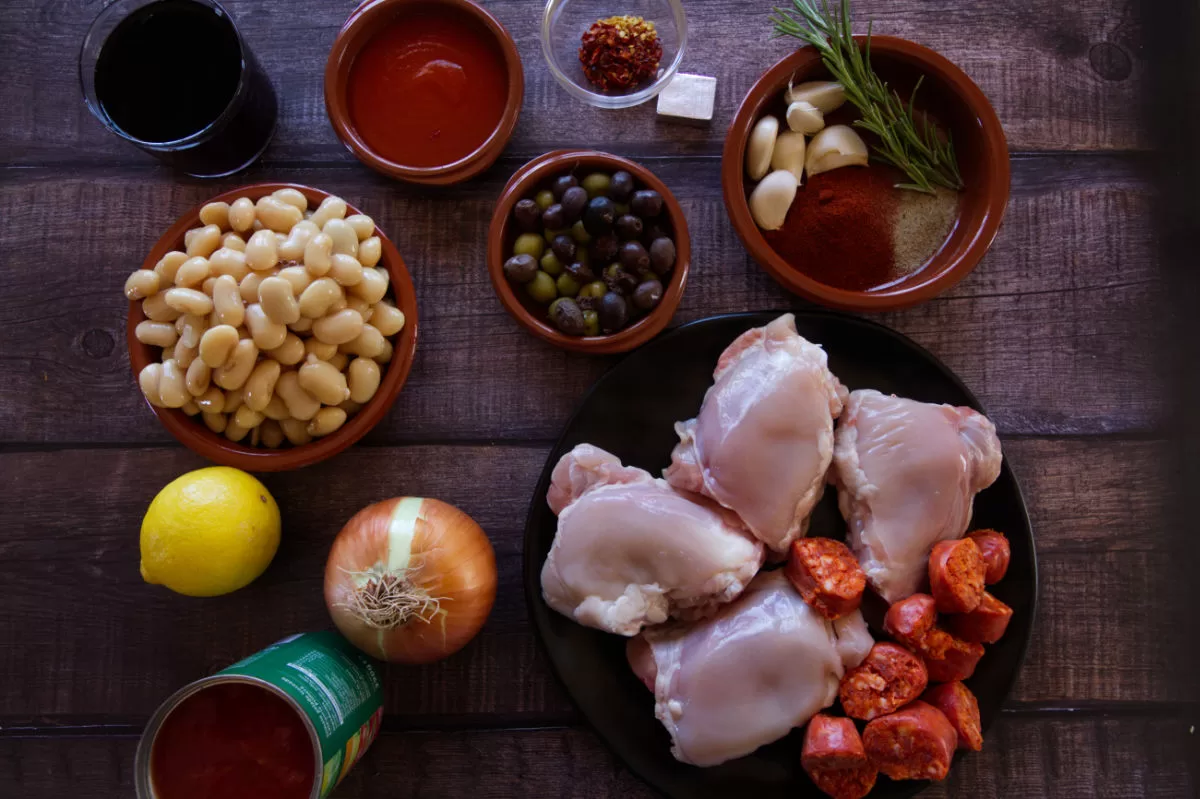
541 288
544 199
529 244
567 286
582 256
621 208
551 265
579 233
596 289
596 184
591 323
551 234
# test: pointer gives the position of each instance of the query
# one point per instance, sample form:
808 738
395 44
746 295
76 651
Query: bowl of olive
589 251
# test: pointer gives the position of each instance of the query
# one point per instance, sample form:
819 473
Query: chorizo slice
910 618
984 625
834 758
996 553
961 709
827 575
889 677
948 658
956 571
916 742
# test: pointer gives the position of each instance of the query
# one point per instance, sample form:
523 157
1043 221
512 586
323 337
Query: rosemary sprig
919 150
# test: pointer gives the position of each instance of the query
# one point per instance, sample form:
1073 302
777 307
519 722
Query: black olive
604 248
599 216
581 272
621 186
521 268
553 218
662 255
646 203
561 184
619 280
655 231
647 295
634 257
564 248
613 312
629 227
566 316
574 200
528 215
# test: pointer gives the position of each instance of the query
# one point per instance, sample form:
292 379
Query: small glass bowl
564 23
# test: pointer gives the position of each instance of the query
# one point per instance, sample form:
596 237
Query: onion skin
452 561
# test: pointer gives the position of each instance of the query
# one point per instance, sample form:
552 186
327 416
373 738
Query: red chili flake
618 53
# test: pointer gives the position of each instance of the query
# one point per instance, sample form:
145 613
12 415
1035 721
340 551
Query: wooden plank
1060 77
92 639
1027 756
1052 330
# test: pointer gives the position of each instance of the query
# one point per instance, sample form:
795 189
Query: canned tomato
285 723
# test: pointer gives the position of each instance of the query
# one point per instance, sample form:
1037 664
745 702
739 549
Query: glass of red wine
176 78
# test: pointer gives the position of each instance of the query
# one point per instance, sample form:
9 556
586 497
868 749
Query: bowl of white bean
271 327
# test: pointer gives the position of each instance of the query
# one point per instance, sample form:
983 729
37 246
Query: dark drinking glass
176 78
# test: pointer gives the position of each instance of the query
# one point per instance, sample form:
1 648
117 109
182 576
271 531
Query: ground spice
618 53
839 228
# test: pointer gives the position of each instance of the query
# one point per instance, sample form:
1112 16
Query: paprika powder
839 228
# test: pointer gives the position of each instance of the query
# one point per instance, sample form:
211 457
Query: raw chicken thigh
631 551
907 473
763 440
762 665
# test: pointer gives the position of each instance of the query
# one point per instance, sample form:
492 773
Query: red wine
175 77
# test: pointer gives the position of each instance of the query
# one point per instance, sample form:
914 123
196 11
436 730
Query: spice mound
618 53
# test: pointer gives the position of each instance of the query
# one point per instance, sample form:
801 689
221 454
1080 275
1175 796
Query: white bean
233 373
213 398
345 240
292 197
320 349
277 301
271 435
184 355
363 379
141 284
233 241
323 381
205 242
300 404
368 344
276 409
386 355
302 325
370 251
215 422
217 343
235 432
319 297
361 306
172 388
297 277
193 272
362 225
248 287
227 301
260 385
148 380
346 270
233 399
339 361
262 251
330 208
327 421
215 214
387 318
290 352
276 215
247 417
227 261
168 265
189 301
292 246
266 333
156 334
296 431
198 376
318 254
339 327
373 286
191 328
241 214
190 408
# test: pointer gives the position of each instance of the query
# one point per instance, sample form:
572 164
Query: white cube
688 97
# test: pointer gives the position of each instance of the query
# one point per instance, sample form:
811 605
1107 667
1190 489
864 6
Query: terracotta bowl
364 23
195 436
503 232
982 155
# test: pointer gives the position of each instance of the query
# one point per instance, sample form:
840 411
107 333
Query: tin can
334 688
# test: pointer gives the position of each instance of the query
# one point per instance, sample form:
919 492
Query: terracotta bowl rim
944 270
195 436
520 185
337 74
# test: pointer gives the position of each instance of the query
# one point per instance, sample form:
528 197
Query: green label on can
338 687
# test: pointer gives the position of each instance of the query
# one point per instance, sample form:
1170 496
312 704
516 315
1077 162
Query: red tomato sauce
429 88
232 741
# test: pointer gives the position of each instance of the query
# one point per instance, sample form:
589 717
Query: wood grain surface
1055 332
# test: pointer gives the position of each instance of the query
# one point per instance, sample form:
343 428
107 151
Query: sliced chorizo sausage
834 758
948 658
956 571
916 742
889 677
996 553
826 573
984 625
910 618
961 709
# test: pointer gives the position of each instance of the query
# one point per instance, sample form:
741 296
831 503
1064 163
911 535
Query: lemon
209 532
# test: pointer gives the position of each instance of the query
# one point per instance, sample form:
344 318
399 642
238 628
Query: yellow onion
410 580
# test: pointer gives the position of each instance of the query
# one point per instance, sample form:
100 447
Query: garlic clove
834 147
760 147
789 153
825 95
804 117
771 199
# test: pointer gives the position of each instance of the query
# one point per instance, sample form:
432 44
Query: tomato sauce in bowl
234 741
429 88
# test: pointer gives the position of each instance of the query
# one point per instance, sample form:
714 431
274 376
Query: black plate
630 412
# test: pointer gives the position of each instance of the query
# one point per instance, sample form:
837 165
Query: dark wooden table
1049 331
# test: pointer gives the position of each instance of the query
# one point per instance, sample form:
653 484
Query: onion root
386 600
